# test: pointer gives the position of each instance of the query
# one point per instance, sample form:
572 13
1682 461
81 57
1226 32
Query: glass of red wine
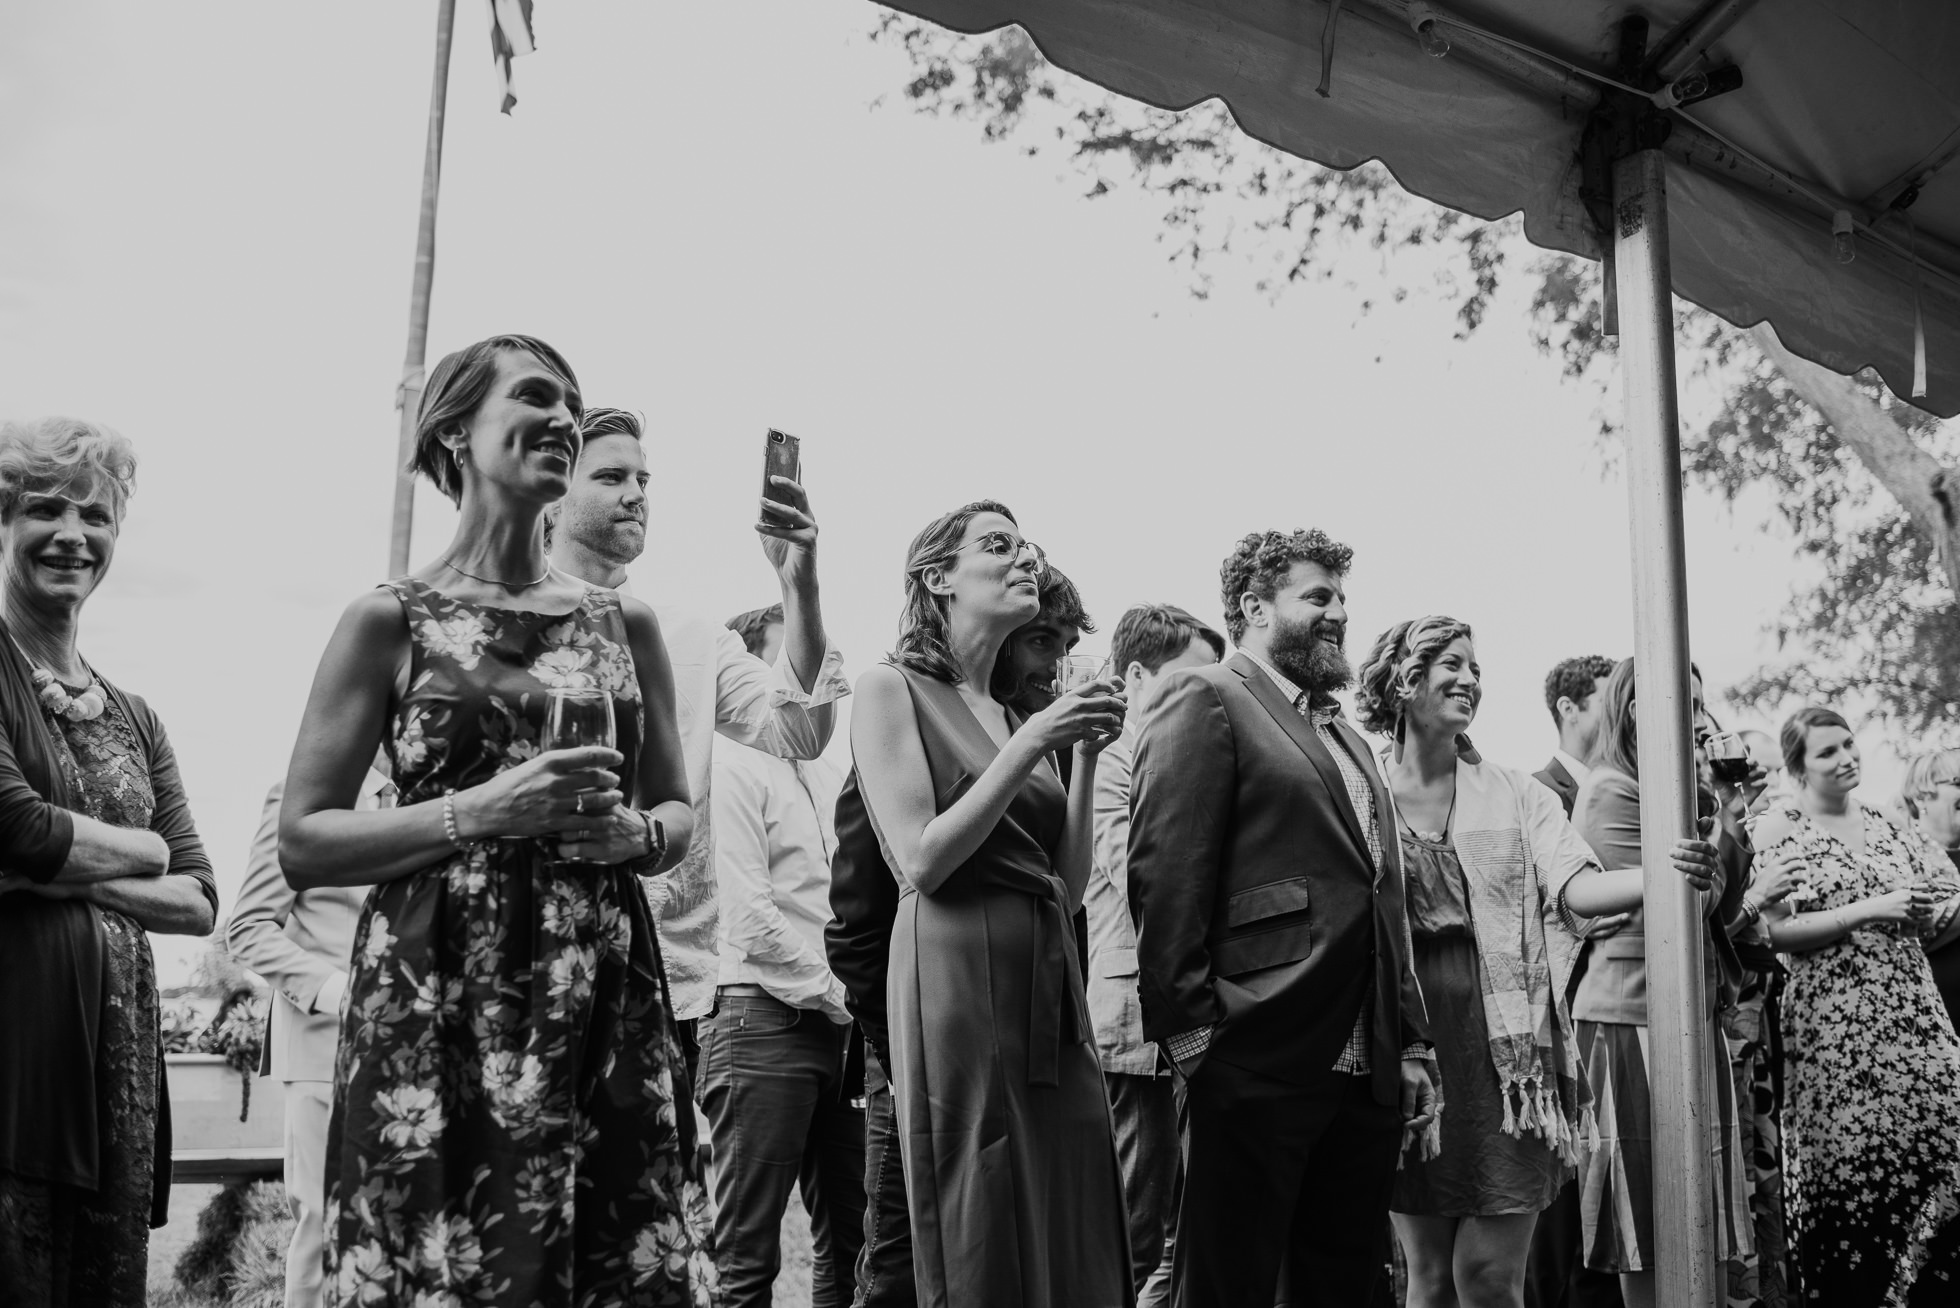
573 719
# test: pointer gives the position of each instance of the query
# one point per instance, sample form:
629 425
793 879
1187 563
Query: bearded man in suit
1273 947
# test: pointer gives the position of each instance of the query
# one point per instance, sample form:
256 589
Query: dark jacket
1259 912
1560 782
51 951
863 907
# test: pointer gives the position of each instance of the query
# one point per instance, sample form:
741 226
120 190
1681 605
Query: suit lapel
1308 740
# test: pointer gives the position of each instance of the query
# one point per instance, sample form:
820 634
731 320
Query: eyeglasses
1005 545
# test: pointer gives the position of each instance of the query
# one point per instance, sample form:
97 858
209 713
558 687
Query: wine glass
573 718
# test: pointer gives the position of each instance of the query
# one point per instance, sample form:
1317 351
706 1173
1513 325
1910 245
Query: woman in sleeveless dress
1500 887
511 1120
1011 1173
1871 1117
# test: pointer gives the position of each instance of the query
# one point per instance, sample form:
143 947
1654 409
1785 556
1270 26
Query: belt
745 990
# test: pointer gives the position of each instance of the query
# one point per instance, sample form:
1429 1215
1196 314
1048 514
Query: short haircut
1154 634
1926 774
1062 602
1400 659
456 390
1796 735
754 625
1260 561
67 456
1576 680
611 422
922 624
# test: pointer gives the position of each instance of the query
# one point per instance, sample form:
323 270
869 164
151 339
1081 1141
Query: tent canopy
1845 107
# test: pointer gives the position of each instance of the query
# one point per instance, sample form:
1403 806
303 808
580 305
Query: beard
1310 661
595 528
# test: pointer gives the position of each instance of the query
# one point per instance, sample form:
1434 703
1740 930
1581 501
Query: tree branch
1921 484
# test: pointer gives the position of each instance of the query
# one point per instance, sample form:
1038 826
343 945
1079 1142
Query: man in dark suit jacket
1572 694
1273 948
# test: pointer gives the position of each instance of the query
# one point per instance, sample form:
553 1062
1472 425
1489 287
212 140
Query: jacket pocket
1265 926
1116 961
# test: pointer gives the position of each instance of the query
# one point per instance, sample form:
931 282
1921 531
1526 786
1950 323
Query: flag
510 36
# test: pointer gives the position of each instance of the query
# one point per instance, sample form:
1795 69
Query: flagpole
408 397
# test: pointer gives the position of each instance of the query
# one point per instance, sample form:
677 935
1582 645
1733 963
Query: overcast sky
208 218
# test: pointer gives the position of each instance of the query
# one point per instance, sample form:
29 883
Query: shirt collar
1323 709
372 783
1579 771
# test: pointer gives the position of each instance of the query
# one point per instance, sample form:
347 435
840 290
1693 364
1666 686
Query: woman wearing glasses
1013 1184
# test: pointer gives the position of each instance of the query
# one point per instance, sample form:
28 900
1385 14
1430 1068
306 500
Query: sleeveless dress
504 1127
1871 1115
1010 1165
1482 1171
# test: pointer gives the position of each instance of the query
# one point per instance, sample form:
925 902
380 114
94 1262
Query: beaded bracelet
449 820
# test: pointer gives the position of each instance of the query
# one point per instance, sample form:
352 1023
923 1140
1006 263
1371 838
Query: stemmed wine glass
575 718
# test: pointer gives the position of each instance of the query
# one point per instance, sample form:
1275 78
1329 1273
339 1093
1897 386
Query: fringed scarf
1518 851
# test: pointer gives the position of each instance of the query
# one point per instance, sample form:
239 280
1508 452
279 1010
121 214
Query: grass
255 1265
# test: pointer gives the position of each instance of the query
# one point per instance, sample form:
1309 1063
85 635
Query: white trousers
309 1105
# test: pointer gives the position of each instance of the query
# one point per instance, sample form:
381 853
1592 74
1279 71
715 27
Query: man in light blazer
1273 948
300 941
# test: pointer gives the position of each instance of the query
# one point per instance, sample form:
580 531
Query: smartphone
782 456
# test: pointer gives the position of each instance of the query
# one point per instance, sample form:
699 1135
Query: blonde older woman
100 849
1931 797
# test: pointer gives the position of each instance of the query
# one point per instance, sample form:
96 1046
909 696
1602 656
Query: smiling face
58 545
983 586
1939 815
1444 702
1030 658
523 437
1831 765
606 508
1302 629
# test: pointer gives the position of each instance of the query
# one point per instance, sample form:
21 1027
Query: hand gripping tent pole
1678 1014
409 397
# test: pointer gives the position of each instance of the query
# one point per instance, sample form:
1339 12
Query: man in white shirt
300 942
773 1051
1151 642
1572 693
785 710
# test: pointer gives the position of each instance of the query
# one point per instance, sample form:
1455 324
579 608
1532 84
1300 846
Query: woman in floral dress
505 1127
1872 1114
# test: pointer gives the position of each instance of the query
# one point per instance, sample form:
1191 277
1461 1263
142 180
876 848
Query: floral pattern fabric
505 1127
1872 1115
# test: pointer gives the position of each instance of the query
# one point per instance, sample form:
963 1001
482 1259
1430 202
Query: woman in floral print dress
505 1126
1872 1067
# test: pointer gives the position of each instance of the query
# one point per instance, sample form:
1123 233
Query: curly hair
922 626
1260 561
71 456
1576 680
1400 659
754 625
458 386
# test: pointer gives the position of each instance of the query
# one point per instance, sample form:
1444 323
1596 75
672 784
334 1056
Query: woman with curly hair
1010 1167
100 851
1871 1112
1499 888
511 1117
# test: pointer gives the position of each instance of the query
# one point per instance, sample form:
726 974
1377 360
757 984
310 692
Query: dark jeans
1143 1115
884 1268
1286 1191
772 1088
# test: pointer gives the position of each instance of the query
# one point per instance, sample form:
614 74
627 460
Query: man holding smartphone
786 710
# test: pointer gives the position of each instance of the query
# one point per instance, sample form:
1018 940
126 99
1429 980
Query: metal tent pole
1678 1013
409 396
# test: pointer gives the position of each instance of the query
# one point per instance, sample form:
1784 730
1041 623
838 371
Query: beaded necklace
85 707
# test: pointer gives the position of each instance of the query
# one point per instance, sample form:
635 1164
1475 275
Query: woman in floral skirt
505 1125
1871 1117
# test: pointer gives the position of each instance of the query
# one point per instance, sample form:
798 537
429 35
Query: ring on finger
579 806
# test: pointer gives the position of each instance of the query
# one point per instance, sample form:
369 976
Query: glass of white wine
573 719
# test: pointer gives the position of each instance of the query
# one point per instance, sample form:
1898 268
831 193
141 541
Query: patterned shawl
1518 851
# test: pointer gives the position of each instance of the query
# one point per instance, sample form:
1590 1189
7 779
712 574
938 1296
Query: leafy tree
1863 482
